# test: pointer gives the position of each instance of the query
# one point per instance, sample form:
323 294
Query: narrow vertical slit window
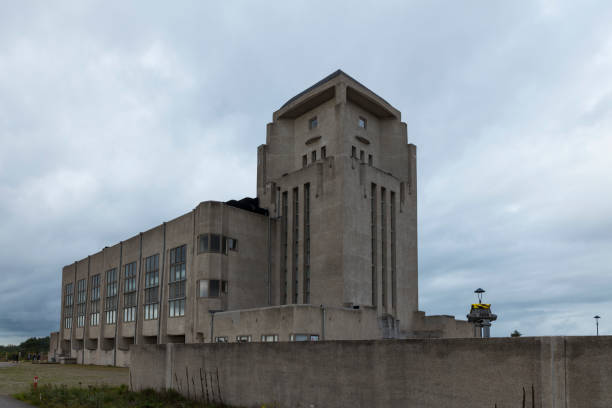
284 249
353 151
393 253
323 152
296 241
370 160
129 292
178 277
151 292
383 251
362 156
304 160
110 302
314 156
373 209
306 284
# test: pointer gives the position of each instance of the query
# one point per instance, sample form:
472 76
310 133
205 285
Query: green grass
20 377
56 396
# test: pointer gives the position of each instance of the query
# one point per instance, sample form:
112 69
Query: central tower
338 178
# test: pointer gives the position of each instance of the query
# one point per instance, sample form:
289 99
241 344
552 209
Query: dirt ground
14 378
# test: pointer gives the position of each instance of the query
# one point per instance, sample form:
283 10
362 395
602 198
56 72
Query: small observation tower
481 316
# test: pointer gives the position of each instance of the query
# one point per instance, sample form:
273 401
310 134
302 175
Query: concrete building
327 250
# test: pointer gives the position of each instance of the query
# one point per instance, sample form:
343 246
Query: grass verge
56 396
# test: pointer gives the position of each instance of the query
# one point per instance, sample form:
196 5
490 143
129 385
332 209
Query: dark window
313 123
362 156
211 288
370 161
203 247
81 302
110 302
313 155
94 313
306 285
323 152
151 301
68 305
129 293
304 160
285 249
353 151
178 276
363 123
232 244
215 243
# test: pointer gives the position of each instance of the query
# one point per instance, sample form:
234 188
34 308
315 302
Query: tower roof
325 89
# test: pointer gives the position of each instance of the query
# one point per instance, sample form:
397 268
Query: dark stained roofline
327 79
248 204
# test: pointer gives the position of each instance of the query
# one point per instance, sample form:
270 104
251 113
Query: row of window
313 123
313 156
268 338
176 289
216 243
361 156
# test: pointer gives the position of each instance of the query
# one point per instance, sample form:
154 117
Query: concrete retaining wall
557 372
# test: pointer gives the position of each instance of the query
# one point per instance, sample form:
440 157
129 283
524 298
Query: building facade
327 250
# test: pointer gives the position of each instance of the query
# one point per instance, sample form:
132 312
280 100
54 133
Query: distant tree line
33 345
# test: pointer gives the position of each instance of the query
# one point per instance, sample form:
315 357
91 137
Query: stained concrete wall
568 372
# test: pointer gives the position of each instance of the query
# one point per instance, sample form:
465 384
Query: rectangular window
232 244
323 152
151 292
353 151
203 245
313 123
284 249
269 338
313 155
215 243
304 160
94 313
110 302
178 277
362 156
363 123
393 250
81 302
129 292
373 208
296 241
370 160
68 305
383 251
304 337
211 288
306 285
221 339
243 339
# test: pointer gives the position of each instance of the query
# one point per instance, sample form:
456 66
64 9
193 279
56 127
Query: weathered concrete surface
563 372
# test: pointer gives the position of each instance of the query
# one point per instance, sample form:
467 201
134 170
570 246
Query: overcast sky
115 117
